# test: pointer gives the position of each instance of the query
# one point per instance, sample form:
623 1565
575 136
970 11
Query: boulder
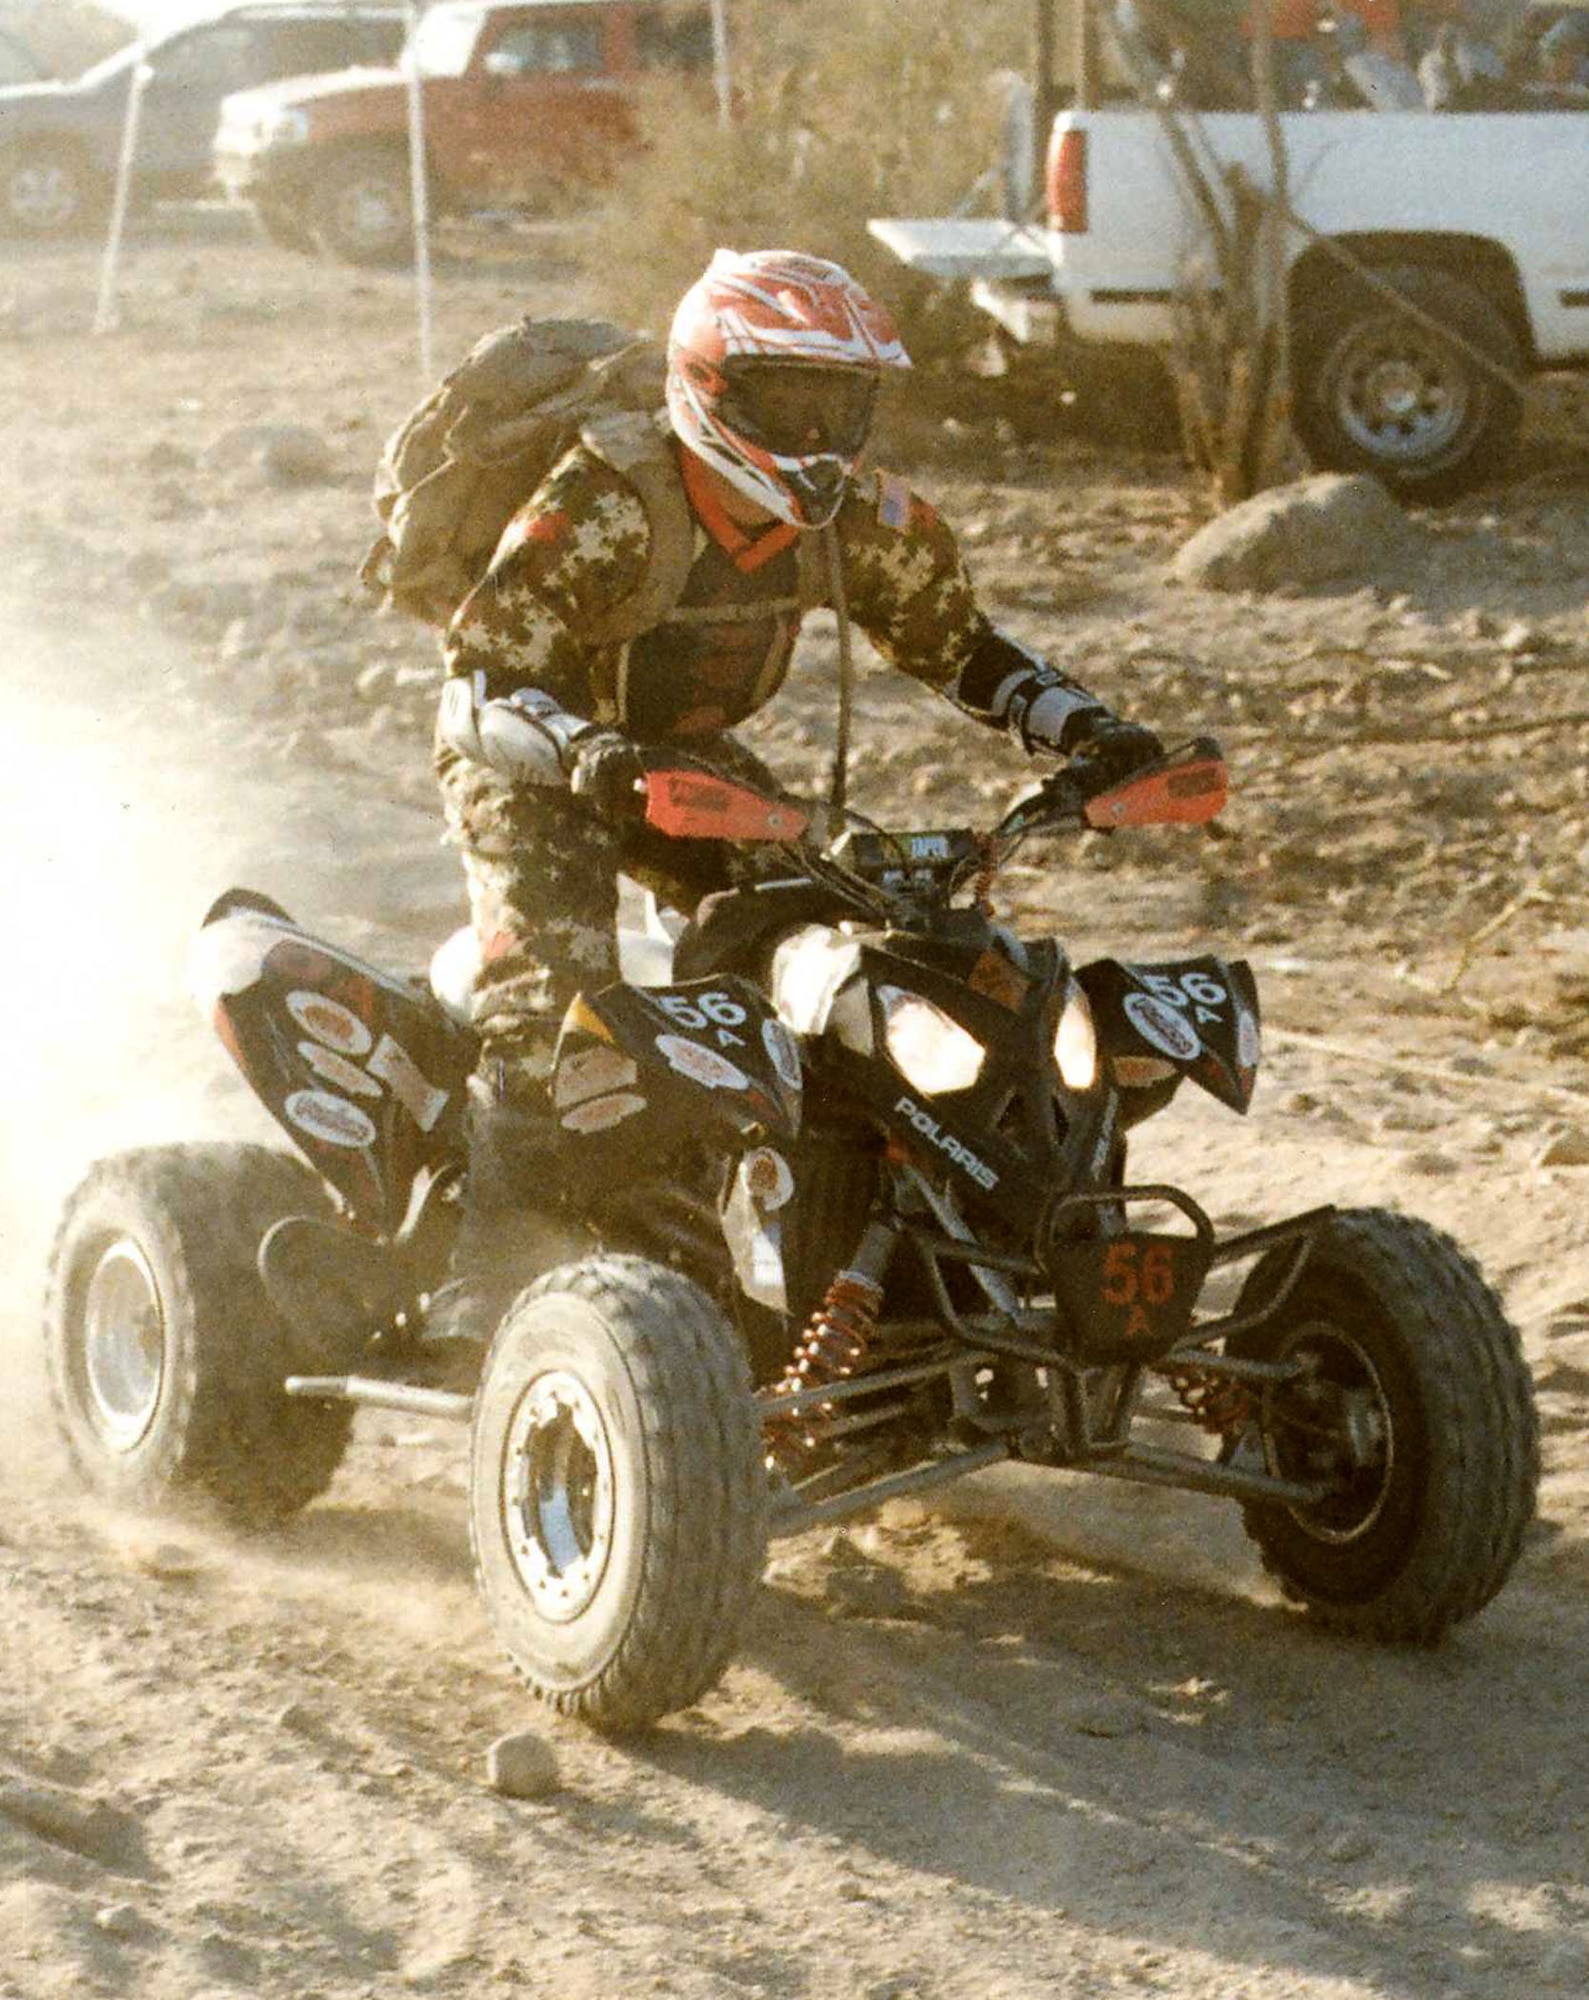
1330 524
286 454
1566 1147
522 1766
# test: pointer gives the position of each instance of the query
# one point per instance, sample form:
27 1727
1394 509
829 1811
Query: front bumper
247 176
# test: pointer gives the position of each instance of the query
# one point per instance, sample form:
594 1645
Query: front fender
1196 1015
639 1069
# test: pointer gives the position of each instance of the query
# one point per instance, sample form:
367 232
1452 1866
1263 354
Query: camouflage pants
542 869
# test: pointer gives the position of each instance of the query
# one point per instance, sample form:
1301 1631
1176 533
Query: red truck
518 95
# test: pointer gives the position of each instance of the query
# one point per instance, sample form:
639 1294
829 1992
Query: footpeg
334 1287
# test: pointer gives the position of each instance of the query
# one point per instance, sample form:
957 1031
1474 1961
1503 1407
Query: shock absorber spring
834 1345
838 1338
1222 1408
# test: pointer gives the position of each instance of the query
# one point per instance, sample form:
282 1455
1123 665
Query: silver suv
60 141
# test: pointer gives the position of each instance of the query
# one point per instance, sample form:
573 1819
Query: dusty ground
1065 1741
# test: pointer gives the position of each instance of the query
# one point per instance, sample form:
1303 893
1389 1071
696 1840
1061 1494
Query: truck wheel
362 210
618 1494
1376 391
47 190
284 226
1417 1415
165 1358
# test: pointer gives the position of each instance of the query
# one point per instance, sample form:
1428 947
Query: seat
736 927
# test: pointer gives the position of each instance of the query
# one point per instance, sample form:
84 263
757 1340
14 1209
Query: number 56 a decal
720 1012
720 1036
1139 1272
1131 1296
1206 998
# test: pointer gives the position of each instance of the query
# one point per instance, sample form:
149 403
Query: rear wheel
165 1357
47 190
362 209
618 1495
1414 1415
1378 391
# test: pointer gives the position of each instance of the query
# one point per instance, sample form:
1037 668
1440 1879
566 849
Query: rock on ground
1328 525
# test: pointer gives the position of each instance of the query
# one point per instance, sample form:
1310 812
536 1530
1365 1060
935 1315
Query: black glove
606 773
1108 751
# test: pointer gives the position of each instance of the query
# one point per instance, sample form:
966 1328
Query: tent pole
107 316
419 193
722 75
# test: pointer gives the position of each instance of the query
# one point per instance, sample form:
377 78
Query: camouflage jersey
579 547
542 866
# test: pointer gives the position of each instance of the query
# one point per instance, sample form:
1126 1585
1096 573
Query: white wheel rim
371 213
41 195
557 1495
124 1345
1400 393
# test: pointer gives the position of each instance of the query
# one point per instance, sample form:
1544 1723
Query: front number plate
1131 1296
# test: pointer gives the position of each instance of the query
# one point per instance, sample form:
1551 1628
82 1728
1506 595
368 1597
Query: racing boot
509 1230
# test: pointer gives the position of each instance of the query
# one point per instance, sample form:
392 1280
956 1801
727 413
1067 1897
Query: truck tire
48 190
165 1359
362 209
1378 392
285 226
1419 1411
618 1493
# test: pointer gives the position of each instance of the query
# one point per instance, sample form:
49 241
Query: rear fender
362 1071
1198 1016
638 1068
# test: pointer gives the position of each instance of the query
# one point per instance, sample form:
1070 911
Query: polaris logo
947 1144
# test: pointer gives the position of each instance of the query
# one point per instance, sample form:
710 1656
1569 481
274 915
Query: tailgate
965 246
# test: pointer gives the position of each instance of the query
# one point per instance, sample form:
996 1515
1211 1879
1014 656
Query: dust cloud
111 854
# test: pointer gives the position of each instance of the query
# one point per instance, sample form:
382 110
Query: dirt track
1043 1737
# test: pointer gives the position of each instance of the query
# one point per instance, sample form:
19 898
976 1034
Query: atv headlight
1076 1042
933 1053
809 968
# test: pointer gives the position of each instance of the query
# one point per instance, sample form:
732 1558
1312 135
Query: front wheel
285 226
362 209
1413 1414
618 1494
165 1357
1381 392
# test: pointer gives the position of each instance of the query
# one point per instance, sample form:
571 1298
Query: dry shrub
845 109
1225 357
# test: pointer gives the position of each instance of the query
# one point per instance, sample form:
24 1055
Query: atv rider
774 362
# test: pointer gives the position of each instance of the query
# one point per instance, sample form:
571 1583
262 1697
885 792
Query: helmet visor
797 411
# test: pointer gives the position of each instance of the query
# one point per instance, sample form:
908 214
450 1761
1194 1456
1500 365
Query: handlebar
1187 788
689 803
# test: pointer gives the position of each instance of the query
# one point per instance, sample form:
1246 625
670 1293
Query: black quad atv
845 1214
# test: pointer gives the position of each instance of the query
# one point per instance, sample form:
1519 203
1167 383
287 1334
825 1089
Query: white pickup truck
1479 218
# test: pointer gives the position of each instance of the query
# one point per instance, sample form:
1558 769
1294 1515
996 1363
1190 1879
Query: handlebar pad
698 805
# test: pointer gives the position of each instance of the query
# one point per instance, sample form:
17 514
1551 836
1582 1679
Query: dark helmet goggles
800 409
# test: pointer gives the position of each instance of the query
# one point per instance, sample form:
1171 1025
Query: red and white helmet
773 364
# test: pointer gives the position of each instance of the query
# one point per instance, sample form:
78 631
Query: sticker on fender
591 1072
782 1052
1161 1028
335 1026
332 1119
701 1065
599 1114
418 1096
